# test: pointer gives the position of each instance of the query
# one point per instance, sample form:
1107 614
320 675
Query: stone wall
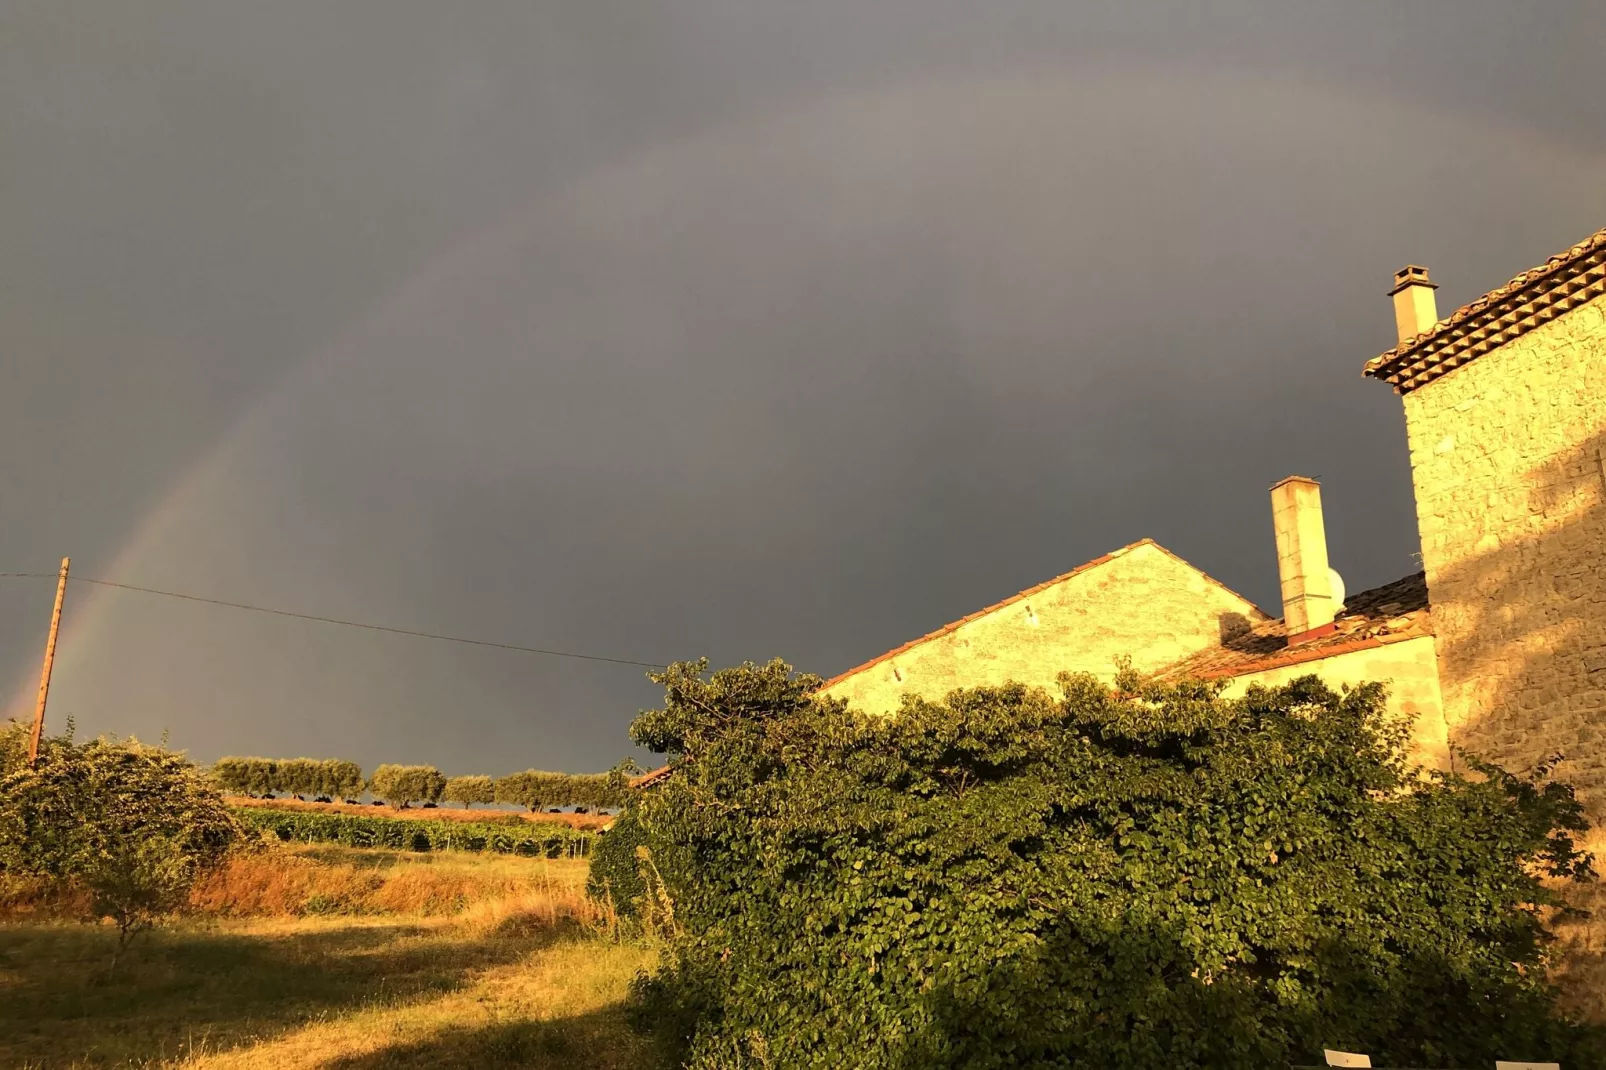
1408 667
1508 454
1140 601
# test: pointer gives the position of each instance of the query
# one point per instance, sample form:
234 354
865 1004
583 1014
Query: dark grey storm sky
724 328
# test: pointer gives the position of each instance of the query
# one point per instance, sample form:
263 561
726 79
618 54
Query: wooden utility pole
50 660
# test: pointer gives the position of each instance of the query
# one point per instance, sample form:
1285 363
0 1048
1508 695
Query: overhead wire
336 620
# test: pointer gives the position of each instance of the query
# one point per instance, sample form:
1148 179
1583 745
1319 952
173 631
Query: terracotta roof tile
1535 297
1382 615
1012 599
651 777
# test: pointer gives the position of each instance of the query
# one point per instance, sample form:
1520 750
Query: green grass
502 984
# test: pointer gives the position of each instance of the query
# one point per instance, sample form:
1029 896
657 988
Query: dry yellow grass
333 880
441 961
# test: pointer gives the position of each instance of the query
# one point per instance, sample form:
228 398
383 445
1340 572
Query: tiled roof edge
1559 285
1314 653
651 777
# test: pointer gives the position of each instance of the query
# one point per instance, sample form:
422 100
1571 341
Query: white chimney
1309 602
1415 308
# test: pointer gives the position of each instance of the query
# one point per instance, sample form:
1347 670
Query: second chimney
1415 309
1308 602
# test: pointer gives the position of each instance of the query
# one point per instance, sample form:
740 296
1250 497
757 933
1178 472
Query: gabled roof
660 773
1535 297
1382 615
1022 595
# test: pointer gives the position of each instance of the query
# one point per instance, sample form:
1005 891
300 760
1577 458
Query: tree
342 779
1128 877
402 785
469 790
133 825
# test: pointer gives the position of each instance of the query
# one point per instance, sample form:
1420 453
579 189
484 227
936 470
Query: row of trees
403 785
538 790
334 777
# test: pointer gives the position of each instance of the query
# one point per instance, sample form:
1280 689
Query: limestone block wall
1410 669
1508 454
1140 601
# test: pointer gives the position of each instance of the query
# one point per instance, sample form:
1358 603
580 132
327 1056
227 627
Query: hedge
524 838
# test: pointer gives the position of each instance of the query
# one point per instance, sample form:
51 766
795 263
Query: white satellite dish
1336 582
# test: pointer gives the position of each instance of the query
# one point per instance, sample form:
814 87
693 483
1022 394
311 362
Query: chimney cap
1296 479
1412 275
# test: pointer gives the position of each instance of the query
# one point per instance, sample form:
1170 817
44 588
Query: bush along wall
350 830
1135 877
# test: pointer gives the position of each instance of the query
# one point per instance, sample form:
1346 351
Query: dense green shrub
469 790
1132 878
134 826
402 785
515 836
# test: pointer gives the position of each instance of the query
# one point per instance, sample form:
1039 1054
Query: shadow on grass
216 987
599 1040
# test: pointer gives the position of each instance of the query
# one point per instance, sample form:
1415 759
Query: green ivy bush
1140 877
615 876
517 837
403 785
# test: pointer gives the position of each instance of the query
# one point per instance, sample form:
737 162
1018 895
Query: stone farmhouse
1498 646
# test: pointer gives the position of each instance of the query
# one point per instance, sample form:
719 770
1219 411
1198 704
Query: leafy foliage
133 825
517 836
470 789
13 745
297 776
1128 878
402 785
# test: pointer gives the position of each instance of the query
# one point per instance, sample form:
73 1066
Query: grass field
334 958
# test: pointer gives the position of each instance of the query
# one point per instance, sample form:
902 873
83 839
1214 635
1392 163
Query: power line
344 623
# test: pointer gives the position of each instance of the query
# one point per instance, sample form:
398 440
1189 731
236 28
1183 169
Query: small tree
232 774
132 825
342 779
299 776
402 785
469 790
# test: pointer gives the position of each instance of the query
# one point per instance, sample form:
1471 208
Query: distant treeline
291 776
403 785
